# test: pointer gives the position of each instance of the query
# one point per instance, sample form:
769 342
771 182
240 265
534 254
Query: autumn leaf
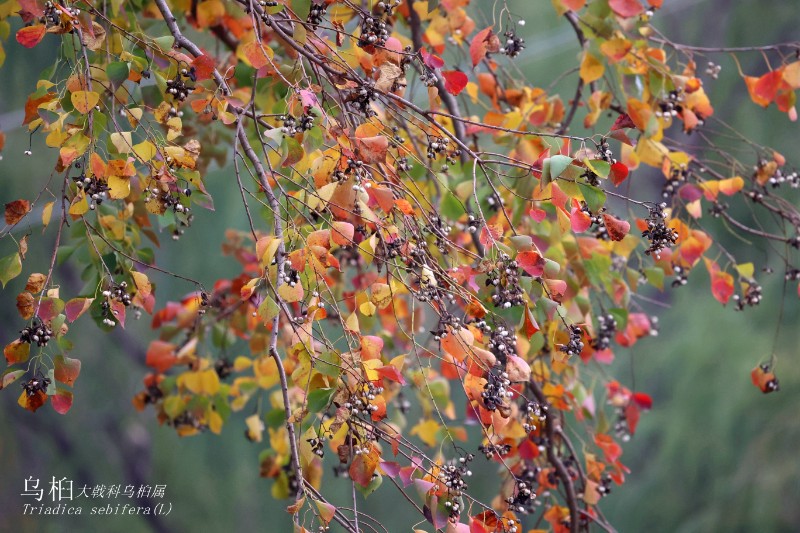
31 35
16 211
617 229
454 81
67 369
626 8
432 61
483 42
84 101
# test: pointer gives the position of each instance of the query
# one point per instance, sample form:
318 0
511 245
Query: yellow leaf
291 294
241 363
381 295
119 187
47 212
255 428
371 369
134 116
591 68
351 324
367 308
79 206
122 141
145 150
214 422
426 431
84 101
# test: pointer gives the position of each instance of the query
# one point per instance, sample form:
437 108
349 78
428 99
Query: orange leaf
483 42
31 36
591 68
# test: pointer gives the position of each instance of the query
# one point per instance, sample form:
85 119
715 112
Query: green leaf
594 196
10 268
268 309
117 72
655 277
319 399
558 164
450 207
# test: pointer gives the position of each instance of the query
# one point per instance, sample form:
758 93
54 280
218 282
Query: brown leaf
35 283
390 78
16 211
25 305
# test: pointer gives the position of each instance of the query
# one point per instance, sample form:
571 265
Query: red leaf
722 286
643 400
431 60
76 307
623 121
580 220
67 369
619 172
62 401
478 47
632 417
33 402
617 229
203 67
626 8
454 81
31 36
373 149
537 214
531 327
766 87
611 450
531 262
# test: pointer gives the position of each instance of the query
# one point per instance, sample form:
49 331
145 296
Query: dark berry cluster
118 292
604 150
657 232
360 99
621 427
403 164
36 384
452 476
598 222
292 126
440 229
427 76
681 276
441 146
751 297
522 499
495 201
792 274
51 15
360 401
779 178
671 105
490 450
505 278
496 389
773 384
502 342
604 487
591 178
717 208
317 445
677 177
167 199
374 31
290 276
575 345
606 327
223 367
95 190
514 44
316 14
37 332
533 413
178 86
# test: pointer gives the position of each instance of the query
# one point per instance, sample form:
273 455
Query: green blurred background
714 454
